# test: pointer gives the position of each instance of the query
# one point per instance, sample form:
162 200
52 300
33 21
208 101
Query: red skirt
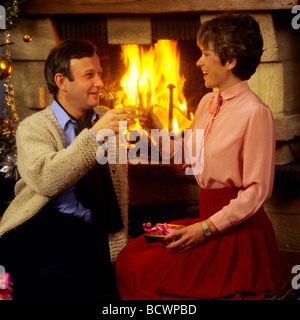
242 263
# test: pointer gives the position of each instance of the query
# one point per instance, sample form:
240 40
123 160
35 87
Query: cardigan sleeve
47 168
258 163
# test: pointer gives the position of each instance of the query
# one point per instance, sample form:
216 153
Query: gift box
5 286
159 231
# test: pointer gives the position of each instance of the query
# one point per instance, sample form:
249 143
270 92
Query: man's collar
63 117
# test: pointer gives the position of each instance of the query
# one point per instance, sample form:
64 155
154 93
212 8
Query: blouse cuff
221 221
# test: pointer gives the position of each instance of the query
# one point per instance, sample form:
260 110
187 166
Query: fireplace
111 24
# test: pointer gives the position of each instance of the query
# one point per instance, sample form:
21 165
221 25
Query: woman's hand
189 237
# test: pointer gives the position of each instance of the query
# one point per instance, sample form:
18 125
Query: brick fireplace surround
276 82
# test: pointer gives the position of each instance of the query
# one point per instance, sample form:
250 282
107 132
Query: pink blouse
239 151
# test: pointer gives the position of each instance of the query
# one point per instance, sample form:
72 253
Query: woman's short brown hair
234 35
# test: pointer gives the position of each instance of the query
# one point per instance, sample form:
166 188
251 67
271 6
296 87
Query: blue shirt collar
63 118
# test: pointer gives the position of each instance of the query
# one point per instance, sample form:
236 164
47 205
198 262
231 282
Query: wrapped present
159 231
5 286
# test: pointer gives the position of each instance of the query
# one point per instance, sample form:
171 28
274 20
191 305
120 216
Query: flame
175 125
148 73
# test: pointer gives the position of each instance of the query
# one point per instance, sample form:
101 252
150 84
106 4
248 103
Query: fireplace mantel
149 6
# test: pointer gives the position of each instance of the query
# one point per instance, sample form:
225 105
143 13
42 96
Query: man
54 235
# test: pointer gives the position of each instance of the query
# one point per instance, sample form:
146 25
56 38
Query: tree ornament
5 68
109 93
27 38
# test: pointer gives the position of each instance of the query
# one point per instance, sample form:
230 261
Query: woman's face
215 74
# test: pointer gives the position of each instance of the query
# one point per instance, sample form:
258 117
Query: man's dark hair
59 58
234 35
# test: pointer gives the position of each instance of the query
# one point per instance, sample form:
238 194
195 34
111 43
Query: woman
230 251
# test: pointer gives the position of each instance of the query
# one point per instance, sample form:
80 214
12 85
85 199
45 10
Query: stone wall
28 59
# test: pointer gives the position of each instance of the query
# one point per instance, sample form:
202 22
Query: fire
175 125
149 72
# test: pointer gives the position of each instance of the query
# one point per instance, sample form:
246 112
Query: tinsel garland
8 151
9 107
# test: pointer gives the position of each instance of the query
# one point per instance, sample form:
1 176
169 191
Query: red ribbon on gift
161 227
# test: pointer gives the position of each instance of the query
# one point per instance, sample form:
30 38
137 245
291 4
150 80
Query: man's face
83 91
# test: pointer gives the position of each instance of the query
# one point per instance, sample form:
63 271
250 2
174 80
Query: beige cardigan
47 168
